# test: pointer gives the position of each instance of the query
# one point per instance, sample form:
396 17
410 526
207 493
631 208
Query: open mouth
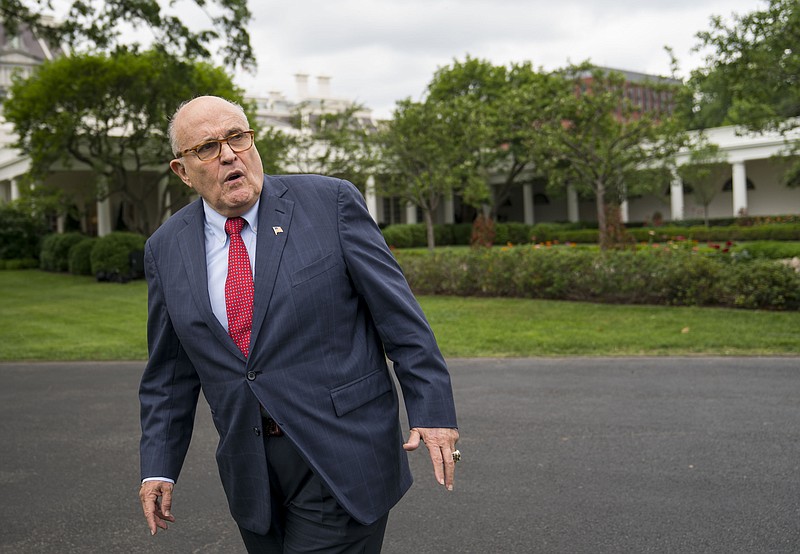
234 176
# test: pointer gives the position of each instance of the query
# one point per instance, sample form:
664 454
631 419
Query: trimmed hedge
20 236
80 257
19 263
112 255
55 250
771 250
664 276
414 235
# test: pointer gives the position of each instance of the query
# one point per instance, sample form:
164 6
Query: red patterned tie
238 287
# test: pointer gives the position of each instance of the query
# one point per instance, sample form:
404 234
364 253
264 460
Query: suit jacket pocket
355 394
313 269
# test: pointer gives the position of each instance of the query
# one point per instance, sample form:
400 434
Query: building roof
25 43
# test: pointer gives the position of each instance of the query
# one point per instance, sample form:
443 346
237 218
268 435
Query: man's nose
226 153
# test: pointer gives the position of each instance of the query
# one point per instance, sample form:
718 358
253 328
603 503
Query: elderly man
278 297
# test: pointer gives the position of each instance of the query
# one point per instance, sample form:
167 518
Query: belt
271 428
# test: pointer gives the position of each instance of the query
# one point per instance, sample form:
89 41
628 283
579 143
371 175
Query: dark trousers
305 516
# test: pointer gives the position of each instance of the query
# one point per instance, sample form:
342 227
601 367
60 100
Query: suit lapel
274 220
192 243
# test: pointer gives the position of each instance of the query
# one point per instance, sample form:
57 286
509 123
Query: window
728 186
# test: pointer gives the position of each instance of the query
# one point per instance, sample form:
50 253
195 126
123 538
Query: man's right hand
156 497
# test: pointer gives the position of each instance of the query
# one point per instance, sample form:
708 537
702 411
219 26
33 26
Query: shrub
669 276
484 232
398 236
80 257
111 256
55 250
771 250
442 235
20 233
461 233
413 235
19 263
763 284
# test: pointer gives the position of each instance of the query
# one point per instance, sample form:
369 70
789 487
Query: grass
47 316
56 317
500 327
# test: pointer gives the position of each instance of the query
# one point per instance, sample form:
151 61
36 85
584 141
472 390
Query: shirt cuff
167 479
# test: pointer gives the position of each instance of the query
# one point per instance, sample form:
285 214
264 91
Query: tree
506 101
751 75
340 143
274 146
97 26
428 152
110 112
602 144
704 160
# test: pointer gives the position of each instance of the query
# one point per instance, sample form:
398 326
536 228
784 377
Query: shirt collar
215 221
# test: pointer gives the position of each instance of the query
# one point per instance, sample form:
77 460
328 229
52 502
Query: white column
14 190
624 211
739 189
527 203
371 198
573 213
103 217
167 202
164 199
411 213
449 208
676 197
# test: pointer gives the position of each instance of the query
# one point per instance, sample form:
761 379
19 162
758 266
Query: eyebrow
228 133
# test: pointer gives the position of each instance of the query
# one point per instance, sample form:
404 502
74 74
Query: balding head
200 101
231 182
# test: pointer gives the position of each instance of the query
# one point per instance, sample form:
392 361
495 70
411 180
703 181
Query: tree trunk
602 223
429 229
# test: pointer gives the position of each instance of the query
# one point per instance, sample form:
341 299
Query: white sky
381 51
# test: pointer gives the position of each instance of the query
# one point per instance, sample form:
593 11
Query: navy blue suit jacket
331 304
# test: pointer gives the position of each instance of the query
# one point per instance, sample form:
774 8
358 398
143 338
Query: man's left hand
441 444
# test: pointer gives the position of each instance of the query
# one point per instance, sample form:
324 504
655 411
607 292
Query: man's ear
178 169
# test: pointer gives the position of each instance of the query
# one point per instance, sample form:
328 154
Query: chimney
324 86
301 79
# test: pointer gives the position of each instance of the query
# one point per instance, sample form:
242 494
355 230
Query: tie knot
234 225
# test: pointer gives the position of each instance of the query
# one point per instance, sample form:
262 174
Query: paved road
560 456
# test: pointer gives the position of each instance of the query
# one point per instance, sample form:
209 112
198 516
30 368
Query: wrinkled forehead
208 118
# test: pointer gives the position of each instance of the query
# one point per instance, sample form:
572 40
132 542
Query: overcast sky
381 51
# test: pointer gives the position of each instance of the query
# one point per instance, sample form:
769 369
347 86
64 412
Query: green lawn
53 317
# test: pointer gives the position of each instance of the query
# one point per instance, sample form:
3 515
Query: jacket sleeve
407 337
169 388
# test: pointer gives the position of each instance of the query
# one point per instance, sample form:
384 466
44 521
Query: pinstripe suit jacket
331 304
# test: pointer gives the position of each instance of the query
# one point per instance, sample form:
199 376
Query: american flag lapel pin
277 230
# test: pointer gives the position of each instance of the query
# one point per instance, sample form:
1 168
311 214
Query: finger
413 440
438 463
166 503
149 507
449 468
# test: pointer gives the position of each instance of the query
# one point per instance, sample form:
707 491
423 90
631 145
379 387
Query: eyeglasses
211 149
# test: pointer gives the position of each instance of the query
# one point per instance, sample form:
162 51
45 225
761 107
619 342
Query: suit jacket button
257 431
251 375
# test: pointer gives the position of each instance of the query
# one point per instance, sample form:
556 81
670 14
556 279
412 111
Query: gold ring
456 456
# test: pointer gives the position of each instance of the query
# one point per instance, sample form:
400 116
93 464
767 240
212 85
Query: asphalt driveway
560 456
